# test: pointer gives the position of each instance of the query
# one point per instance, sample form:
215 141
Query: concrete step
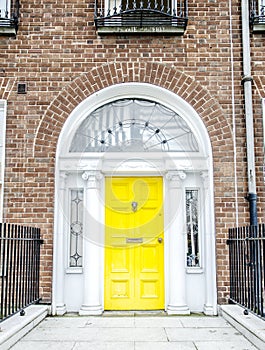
251 326
15 327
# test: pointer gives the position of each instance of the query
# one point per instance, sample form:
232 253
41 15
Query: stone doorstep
15 327
252 327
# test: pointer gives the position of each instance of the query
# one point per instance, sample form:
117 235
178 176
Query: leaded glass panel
193 253
134 125
76 228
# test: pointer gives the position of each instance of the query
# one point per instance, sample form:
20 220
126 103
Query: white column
60 308
209 250
177 250
92 301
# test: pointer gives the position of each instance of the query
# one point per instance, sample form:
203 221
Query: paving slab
43 345
81 322
225 345
203 334
134 332
204 322
164 346
104 346
93 334
148 322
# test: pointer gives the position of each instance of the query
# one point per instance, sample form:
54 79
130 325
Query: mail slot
134 240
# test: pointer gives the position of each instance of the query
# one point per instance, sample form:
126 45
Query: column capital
92 177
205 178
63 176
176 177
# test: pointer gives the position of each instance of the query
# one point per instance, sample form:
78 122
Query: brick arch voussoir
113 73
259 82
7 86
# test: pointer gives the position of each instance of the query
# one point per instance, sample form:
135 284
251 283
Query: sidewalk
134 332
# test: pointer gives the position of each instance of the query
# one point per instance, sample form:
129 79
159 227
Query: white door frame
176 169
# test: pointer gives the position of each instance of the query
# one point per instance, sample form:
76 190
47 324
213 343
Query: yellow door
134 241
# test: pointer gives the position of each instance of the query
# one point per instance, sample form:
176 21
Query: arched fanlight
134 125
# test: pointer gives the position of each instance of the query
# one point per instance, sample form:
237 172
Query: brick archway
115 73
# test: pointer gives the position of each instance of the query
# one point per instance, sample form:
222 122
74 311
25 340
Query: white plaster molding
176 178
177 303
205 179
60 308
174 175
92 251
93 178
63 178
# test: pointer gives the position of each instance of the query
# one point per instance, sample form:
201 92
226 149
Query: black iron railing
9 15
247 267
19 268
141 13
257 12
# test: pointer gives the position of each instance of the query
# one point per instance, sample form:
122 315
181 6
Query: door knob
160 240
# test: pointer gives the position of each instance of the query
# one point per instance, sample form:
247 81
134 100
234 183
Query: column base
60 310
208 310
178 310
90 310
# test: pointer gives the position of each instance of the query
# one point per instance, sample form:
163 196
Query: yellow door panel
148 289
120 260
149 258
134 253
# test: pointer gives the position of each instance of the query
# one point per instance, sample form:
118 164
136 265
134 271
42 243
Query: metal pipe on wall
247 84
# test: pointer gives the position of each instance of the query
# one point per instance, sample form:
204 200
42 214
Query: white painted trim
3 113
263 117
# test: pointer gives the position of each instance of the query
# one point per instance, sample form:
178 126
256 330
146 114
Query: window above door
141 16
134 125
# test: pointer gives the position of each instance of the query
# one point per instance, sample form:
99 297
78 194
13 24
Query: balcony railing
132 16
9 14
257 15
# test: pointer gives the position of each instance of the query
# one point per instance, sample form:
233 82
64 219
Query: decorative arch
111 74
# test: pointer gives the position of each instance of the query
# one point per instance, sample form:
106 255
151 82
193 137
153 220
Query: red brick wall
60 57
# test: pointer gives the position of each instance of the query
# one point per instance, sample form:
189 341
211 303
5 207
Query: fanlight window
134 125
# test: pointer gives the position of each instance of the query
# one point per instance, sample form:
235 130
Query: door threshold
134 313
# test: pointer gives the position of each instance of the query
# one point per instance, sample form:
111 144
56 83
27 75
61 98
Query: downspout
247 84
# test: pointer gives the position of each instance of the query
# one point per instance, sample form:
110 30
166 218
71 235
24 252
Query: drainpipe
247 83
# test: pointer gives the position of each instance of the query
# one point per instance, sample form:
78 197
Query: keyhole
134 206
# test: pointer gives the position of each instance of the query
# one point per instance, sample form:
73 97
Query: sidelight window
192 226
76 228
